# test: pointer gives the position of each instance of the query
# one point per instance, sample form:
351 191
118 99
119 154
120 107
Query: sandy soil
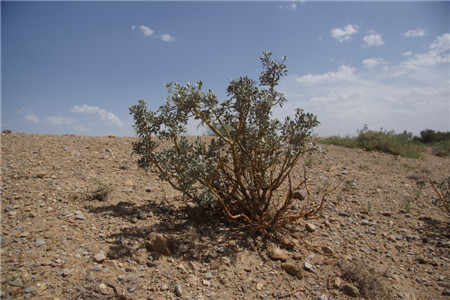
379 235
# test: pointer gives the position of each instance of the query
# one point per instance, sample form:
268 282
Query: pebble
309 267
300 195
293 269
310 227
39 243
178 290
446 293
278 254
80 216
143 216
16 282
350 290
99 257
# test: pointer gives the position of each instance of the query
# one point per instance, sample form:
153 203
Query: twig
291 293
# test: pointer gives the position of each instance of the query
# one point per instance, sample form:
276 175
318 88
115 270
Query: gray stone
143 216
412 237
300 195
309 267
39 243
178 290
350 290
344 172
8 208
208 275
100 257
16 282
80 216
96 268
30 289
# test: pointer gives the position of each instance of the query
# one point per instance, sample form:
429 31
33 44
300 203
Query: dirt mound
80 220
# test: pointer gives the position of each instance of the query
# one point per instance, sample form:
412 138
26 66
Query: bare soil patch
80 221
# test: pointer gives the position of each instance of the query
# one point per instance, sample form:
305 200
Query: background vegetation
403 144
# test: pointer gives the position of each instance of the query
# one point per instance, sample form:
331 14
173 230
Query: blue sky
76 67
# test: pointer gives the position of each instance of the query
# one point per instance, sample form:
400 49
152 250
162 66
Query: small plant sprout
244 171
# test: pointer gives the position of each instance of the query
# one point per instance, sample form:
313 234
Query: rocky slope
80 221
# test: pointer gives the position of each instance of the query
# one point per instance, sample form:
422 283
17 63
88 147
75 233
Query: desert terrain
379 235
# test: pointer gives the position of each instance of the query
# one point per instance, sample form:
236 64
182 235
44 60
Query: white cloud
371 63
407 53
107 117
415 33
437 54
412 94
344 73
344 34
373 39
60 120
291 6
167 38
32 118
441 44
144 29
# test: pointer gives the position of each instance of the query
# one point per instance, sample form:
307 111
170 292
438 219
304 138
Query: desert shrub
244 171
346 141
441 148
442 189
369 281
429 136
382 140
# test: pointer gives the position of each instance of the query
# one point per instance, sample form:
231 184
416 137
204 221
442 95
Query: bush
241 170
384 141
429 136
442 189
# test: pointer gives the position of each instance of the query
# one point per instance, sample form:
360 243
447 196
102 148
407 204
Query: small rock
99 257
300 195
278 254
327 250
409 296
344 172
309 267
412 237
337 282
344 214
164 287
292 269
365 223
386 213
30 289
80 216
350 290
446 293
287 243
16 282
178 290
39 243
259 286
297 256
310 227
134 220
143 216
208 275
8 208
158 243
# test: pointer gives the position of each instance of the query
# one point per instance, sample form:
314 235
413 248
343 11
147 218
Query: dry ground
385 236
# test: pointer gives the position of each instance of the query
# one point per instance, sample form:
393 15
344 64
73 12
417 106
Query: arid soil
79 220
